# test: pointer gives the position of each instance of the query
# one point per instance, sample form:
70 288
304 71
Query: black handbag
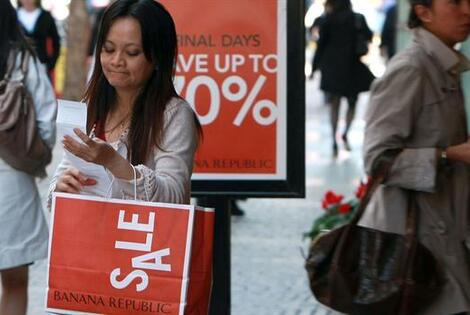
358 270
362 39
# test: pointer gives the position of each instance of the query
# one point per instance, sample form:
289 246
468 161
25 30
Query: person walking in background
343 39
23 228
141 131
418 106
315 32
97 16
39 25
315 28
389 31
235 210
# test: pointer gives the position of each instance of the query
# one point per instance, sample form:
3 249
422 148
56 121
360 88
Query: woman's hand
459 152
91 150
72 181
99 152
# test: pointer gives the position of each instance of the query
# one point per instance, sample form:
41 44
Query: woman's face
447 19
122 56
28 4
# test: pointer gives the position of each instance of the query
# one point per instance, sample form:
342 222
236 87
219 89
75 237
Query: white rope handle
135 182
110 188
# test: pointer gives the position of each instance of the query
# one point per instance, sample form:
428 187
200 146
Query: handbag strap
11 63
24 64
380 172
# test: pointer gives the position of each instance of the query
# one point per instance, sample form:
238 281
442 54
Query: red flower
361 190
344 208
331 198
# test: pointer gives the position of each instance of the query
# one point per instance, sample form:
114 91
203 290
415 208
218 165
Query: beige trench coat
418 106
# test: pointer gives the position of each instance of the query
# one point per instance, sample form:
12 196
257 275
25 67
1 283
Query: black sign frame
294 184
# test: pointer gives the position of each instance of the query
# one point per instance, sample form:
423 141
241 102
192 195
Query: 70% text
238 84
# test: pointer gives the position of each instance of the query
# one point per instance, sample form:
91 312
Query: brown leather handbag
20 144
358 270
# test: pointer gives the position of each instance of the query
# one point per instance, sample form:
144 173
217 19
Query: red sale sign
232 69
111 256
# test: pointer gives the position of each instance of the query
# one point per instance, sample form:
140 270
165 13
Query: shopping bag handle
110 188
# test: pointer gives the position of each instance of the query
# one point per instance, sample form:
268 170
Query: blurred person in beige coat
418 106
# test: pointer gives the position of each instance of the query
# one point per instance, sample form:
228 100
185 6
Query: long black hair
11 35
413 19
160 49
339 5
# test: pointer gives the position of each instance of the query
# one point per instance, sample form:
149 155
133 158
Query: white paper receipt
72 115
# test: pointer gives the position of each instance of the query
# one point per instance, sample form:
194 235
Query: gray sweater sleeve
167 178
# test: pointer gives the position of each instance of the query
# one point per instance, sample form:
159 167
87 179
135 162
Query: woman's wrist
120 168
451 153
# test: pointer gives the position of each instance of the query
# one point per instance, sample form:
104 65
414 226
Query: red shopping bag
109 256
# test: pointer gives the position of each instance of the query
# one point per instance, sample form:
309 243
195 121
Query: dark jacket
45 30
389 31
342 72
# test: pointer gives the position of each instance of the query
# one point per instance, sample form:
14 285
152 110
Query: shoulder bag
359 270
20 144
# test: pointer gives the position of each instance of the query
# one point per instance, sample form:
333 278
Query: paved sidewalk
268 276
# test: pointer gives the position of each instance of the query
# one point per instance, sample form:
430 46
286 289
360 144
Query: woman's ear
423 13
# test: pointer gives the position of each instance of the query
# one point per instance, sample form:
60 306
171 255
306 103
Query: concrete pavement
268 276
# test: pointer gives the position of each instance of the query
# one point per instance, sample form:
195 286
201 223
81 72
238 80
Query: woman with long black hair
23 229
139 129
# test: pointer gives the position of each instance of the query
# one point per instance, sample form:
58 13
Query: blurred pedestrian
23 229
389 31
344 37
418 106
39 25
235 210
97 16
140 130
315 32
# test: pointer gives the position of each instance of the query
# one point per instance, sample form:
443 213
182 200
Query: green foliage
336 213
